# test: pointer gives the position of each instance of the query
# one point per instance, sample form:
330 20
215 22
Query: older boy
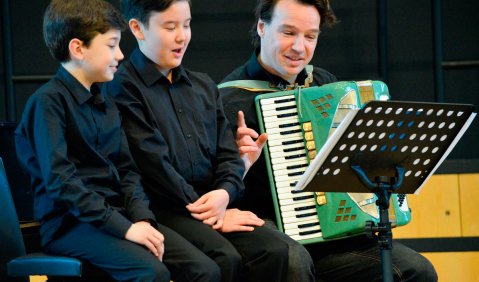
184 146
285 34
88 195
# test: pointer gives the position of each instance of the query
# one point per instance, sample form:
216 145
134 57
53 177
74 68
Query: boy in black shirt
88 195
184 147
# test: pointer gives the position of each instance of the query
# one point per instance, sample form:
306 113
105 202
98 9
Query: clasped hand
144 234
210 208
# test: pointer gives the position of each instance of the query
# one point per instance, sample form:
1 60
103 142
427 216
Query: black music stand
387 147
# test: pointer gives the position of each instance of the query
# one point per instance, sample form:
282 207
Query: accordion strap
263 86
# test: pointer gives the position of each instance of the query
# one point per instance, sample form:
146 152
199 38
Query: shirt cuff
117 224
231 189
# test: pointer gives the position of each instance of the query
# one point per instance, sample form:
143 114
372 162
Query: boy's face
101 58
167 36
289 40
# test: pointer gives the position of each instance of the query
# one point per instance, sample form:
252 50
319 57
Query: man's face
167 36
289 40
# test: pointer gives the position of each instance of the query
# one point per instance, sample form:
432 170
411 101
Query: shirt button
180 110
188 135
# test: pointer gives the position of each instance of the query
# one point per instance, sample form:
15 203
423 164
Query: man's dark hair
65 20
141 9
265 8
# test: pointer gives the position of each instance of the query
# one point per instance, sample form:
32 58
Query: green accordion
298 123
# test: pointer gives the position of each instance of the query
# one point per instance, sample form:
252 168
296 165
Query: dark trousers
126 261
259 255
358 259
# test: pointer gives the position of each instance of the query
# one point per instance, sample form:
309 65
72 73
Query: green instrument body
343 214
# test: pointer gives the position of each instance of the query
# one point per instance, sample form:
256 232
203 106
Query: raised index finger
241 121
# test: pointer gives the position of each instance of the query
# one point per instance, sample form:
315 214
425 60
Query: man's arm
249 142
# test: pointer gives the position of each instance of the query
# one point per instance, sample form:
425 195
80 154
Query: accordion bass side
298 123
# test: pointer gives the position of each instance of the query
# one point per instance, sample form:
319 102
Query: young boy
184 147
88 195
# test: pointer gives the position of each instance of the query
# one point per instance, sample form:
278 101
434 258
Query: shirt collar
256 71
149 74
78 91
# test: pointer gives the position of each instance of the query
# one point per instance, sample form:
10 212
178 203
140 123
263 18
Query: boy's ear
136 28
75 46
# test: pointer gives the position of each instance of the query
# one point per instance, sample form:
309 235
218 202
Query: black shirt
71 143
257 196
178 133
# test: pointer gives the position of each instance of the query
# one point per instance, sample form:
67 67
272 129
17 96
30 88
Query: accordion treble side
298 123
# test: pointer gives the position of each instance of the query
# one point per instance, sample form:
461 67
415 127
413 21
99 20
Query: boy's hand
144 234
249 149
210 208
237 220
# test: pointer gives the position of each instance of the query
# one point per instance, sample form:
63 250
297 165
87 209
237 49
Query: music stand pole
382 187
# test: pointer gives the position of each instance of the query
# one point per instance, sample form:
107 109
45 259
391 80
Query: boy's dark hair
141 9
65 20
265 8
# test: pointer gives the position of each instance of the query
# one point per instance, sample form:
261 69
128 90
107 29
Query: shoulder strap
250 85
263 86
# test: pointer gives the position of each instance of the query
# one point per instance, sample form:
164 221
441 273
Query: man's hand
249 149
210 208
237 220
144 234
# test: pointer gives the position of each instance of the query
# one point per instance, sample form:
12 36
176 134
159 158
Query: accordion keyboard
289 161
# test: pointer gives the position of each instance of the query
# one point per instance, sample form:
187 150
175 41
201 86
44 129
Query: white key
269 101
279 130
282 122
267 119
296 225
285 141
274 107
308 236
287 147
291 201
305 203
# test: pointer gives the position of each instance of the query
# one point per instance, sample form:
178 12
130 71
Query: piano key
294 201
307 216
304 204
289 172
307 236
292 165
284 129
278 107
288 195
277 100
287 111
285 141
281 116
302 224
285 122
297 231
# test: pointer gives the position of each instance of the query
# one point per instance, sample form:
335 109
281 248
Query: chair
14 262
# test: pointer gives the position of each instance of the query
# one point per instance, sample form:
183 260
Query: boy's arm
228 174
136 201
47 132
149 148
229 168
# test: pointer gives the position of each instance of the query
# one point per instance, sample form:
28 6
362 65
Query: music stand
387 147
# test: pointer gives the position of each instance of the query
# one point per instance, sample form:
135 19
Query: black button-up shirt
178 133
257 196
71 143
